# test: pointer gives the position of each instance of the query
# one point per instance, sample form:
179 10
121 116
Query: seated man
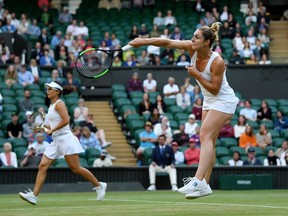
103 161
147 140
30 159
179 156
252 160
14 128
163 161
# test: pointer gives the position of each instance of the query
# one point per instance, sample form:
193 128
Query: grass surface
268 202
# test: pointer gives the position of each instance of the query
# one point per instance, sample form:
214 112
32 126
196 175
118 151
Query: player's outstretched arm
162 42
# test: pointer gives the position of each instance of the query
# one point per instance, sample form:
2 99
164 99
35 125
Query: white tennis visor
54 85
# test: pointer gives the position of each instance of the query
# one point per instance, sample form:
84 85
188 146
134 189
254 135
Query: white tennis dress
64 142
225 101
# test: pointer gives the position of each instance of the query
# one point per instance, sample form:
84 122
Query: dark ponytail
66 89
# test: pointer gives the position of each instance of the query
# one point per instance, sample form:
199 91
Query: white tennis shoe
201 193
191 185
29 197
151 188
101 190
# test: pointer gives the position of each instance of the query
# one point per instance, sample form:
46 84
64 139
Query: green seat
258 151
284 134
5 123
274 134
126 108
10 108
271 102
46 74
136 101
19 93
256 102
169 116
268 148
229 142
147 154
278 142
2 134
7 93
153 94
188 109
183 148
20 151
36 107
175 109
118 87
33 87
83 162
133 116
19 142
224 160
3 86
119 103
38 93
218 142
91 161
119 94
2 141
9 100
221 151
169 101
173 124
268 124
71 101
238 94
282 102
38 100
181 116
136 136
92 153
253 124
284 110
134 125
136 94
237 148
17 86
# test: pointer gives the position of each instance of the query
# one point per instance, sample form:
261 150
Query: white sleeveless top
226 93
53 119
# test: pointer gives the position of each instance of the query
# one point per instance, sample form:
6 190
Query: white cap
192 116
54 85
28 113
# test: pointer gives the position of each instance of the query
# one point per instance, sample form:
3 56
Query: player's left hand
192 71
49 132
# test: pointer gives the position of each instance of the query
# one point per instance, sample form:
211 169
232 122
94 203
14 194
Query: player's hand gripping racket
94 63
36 120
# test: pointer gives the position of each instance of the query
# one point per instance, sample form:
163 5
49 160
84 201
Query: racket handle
127 47
45 129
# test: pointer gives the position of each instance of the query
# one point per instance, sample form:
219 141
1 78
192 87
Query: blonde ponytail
211 33
215 28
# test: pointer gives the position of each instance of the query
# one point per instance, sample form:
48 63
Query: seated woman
11 76
263 137
8 157
70 80
265 112
248 138
197 108
160 104
145 107
272 159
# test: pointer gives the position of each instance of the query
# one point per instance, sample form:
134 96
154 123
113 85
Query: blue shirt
34 30
145 134
90 142
25 77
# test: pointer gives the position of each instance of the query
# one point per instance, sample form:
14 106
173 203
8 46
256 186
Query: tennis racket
36 120
93 63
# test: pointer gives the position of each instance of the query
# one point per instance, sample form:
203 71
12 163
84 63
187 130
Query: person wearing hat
30 159
252 160
192 154
148 139
190 126
178 155
26 130
103 161
40 145
14 128
64 144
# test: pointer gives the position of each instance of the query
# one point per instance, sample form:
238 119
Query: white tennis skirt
66 144
228 107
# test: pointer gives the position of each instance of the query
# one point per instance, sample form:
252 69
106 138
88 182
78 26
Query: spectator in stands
4 51
163 161
35 70
166 33
89 140
143 33
56 39
129 61
252 60
227 131
14 21
30 159
231 21
166 56
27 132
104 4
155 31
44 38
200 24
72 28
272 159
163 128
149 84
196 94
46 59
281 121
43 4
46 18
17 64
251 39
189 87
148 139
103 161
134 32
248 112
26 104
246 52
199 6
196 136
11 76
7 157
236 160
183 61
117 62
262 25
178 155
134 83
115 42
252 160
23 26
177 34
169 19
37 52
183 98
238 42
250 18
235 58
154 118
224 15
65 16
217 47
160 104
209 18
259 50
265 112
82 30
25 77
197 108
180 136
190 125
34 30
54 77
171 89
264 60
40 144
192 154
72 81
240 127
14 128
226 32
263 137
80 112
145 106
248 138
9 28
159 20
61 54
282 152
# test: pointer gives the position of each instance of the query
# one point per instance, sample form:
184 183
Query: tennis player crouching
64 143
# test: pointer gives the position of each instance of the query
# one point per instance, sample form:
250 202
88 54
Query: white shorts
66 144
227 107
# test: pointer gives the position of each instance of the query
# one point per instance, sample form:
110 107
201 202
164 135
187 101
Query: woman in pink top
8 157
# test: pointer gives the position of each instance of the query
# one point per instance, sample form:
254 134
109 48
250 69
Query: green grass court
257 202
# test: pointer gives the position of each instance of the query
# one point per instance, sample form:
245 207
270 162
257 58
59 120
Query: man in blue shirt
25 77
252 160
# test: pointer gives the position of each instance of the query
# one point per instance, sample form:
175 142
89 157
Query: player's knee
75 169
42 167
